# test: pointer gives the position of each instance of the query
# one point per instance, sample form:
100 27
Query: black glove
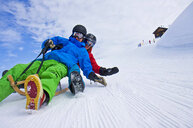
48 44
57 47
108 71
103 71
92 76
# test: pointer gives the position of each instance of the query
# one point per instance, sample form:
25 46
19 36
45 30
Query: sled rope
44 50
15 84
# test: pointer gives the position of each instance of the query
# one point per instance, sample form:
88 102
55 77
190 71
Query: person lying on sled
57 62
90 41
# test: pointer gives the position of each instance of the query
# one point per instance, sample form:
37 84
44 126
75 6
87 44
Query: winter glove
95 78
49 44
108 71
57 47
111 71
103 71
92 76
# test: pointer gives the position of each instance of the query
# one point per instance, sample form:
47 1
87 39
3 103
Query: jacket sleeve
95 66
57 40
85 63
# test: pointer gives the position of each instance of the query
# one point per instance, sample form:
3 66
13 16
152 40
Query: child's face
79 39
89 45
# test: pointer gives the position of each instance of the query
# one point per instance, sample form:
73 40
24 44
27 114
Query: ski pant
50 75
73 68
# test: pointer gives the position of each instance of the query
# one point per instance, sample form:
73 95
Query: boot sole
77 83
33 91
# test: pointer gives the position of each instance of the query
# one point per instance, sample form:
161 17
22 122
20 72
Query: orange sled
15 85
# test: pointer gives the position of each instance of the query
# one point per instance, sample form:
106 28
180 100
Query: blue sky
25 24
15 40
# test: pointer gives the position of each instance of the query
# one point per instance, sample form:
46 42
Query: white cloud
115 19
9 35
36 51
9 38
2 67
21 48
11 54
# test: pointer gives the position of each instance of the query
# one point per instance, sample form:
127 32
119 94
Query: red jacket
95 66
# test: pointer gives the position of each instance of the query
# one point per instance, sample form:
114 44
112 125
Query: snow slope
180 32
152 90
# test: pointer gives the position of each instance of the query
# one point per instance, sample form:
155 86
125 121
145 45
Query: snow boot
77 84
34 93
4 72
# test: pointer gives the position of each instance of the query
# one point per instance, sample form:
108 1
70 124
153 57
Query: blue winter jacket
73 52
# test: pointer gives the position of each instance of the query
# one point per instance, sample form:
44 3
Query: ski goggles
78 34
90 43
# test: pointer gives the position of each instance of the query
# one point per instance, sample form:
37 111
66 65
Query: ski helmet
91 37
79 28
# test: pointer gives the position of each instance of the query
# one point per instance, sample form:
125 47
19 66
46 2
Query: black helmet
79 28
90 37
